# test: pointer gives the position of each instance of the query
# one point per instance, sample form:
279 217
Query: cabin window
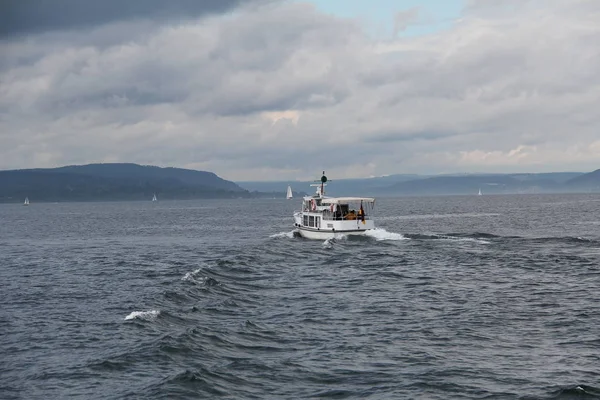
311 221
318 222
306 220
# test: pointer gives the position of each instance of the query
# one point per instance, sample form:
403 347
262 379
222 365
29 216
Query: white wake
463 239
382 234
283 235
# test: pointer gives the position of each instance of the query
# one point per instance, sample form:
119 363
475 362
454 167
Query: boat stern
297 218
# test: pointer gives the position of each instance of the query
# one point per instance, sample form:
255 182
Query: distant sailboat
289 192
479 192
26 203
154 197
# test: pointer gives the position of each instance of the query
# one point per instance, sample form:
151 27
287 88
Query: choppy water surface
454 297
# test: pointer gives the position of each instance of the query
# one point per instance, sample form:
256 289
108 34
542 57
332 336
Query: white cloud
514 156
284 91
274 116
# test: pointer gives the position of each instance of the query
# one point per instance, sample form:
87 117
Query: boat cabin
316 210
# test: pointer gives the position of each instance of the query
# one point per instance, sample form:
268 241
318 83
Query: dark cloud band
18 17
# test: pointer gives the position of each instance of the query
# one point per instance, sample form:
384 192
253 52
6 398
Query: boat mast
323 180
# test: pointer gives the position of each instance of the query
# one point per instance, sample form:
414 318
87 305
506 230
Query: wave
195 277
143 315
191 276
433 216
567 239
381 234
488 238
577 392
475 238
378 234
328 243
285 235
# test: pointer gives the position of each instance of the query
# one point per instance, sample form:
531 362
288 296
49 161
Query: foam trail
463 239
289 235
145 315
382 234
480 241
327 243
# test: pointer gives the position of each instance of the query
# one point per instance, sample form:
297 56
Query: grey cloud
407 136
208 92
231 67
329 157
34 16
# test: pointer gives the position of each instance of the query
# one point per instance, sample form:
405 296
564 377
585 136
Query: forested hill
103 182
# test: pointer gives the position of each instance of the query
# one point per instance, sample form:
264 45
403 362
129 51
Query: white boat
324 217
26 203
289 193
154 197
479 192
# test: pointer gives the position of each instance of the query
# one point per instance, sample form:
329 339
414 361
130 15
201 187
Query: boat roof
344 200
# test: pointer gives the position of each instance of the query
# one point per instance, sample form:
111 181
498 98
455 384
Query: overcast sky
283 89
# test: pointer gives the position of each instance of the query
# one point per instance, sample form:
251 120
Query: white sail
289 192
154 197
479 192
26 203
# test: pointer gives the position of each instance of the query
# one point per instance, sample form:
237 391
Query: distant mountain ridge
335 187
589 180
459 184
113 181
149 172
127 181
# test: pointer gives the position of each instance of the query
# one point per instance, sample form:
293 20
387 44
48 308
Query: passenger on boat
351 215
342 211
361 213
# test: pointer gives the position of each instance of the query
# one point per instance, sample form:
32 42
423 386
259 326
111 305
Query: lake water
453 297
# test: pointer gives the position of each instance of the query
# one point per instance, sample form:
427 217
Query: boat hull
324 234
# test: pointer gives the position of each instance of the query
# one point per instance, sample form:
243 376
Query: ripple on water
468 299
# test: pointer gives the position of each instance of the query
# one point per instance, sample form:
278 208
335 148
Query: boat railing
332 216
